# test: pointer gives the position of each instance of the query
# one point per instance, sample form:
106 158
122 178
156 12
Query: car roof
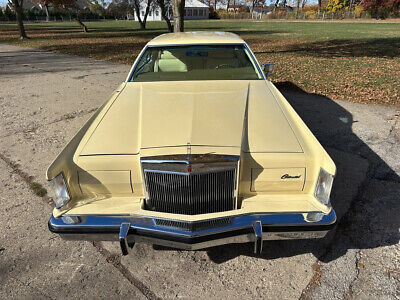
196 37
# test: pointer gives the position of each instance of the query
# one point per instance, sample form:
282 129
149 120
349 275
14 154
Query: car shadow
364 196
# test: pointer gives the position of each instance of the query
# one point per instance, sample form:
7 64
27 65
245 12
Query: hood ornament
189 153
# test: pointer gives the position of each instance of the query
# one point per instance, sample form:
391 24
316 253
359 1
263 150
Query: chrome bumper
241 229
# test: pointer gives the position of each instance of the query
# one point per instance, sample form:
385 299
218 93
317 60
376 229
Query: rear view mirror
267 69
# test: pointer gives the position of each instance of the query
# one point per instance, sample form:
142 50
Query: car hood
211 116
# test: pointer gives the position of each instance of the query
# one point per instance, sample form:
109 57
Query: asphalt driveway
45 98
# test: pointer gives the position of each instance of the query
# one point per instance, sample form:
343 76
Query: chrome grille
195 226
190 193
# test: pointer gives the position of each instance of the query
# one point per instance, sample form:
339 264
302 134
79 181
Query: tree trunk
79 21
164 14
146 13
351 6
142 22
136 4
19 13
298 7
276 4
46 9
319 6
179 14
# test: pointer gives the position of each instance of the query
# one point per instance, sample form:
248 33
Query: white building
154 12
194 10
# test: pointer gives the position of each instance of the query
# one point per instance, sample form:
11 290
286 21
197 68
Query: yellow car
196 148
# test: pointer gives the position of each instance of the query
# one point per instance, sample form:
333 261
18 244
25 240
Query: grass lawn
355 61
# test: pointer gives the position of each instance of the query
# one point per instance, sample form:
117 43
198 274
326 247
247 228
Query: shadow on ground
364 195
382 47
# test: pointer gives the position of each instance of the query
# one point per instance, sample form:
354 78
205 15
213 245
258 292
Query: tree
164 5
119 8
46 9
256 3
351 5
98 7
382 8
136 5
45 4
68 5
178 8
336 5
228 4
17 5
276 4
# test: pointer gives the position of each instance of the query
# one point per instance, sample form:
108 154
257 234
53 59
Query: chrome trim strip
190 158
244 238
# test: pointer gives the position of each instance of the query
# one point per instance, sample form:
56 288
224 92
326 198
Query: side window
195 12
142 12
189 12
156 13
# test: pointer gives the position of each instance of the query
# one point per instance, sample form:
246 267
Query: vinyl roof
196 37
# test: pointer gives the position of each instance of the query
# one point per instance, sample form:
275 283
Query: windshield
198 62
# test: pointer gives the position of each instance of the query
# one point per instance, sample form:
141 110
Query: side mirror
267 68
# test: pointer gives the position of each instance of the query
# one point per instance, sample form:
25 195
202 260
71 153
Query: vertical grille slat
190 194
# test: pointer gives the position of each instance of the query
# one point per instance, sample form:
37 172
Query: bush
358 11
311 14
30 14
382 8
223 14
9 15
213 14
310 7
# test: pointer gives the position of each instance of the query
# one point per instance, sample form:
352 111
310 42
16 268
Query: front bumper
194 235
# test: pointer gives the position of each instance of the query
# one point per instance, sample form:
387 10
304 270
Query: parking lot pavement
47 97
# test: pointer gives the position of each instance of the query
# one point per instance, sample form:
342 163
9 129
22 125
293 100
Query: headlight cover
323 188
60 191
